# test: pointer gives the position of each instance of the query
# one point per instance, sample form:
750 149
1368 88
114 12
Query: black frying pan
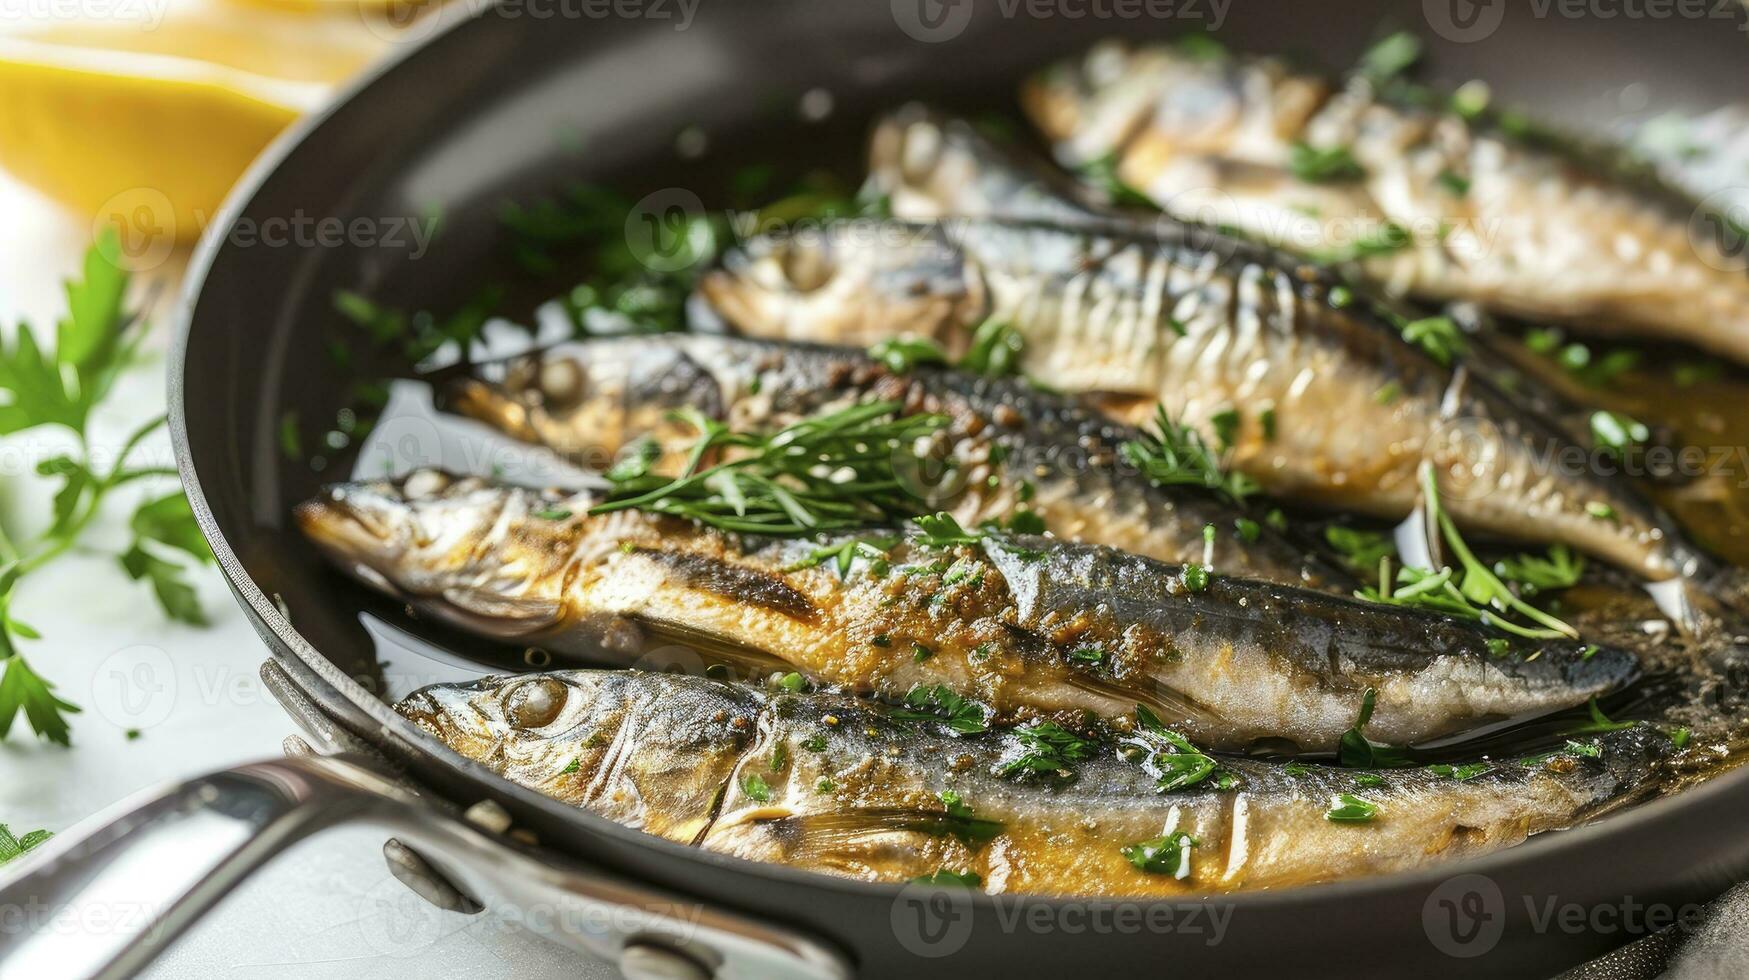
514 106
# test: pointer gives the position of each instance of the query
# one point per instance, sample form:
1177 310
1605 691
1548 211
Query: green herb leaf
175 595
941 704
755 787
12 848
901 354
1355 751
950 879
1348 808
1047 749
1324 165
1615 432
21 690
1166 855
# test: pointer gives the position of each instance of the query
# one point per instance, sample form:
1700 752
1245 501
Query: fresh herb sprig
1173 454
830 472
94 343
1472 591
12 848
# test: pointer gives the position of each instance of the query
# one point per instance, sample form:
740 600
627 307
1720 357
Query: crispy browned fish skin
1533 232
1017 448
1023 624
834 784
1356 408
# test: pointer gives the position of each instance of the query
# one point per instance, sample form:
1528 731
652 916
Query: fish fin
494 616
695 648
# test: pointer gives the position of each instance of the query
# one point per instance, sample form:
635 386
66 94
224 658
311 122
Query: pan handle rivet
648 961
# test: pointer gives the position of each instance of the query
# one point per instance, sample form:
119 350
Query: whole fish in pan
1008 447
831 783
1317 394
1418 197
1022 624
934 167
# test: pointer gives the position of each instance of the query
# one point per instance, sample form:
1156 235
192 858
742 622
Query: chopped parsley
755 787
1047 749
1171 758
1324 165
1348 808
1614 432
1439 336
1165 855
902 354
940 704
1362 550
1355 751
940 530
12 847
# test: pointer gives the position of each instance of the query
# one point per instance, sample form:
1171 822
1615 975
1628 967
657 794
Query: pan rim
1550 848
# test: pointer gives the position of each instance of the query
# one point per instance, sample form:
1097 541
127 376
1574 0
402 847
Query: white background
328 908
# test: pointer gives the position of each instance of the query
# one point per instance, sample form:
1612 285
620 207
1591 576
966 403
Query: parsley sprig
99 337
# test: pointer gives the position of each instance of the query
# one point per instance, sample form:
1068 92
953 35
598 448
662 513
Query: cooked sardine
1319 395
934 167
1020 623
835 784
1421 199
1006 448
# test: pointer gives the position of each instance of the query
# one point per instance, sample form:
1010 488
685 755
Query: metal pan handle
106 901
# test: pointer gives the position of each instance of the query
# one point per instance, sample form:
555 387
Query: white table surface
329 907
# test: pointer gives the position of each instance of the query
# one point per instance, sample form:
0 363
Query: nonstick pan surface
514 106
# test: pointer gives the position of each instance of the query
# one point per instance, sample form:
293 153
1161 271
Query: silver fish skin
1026 625
1014 448
1141 320
1493 219
934 167
838 785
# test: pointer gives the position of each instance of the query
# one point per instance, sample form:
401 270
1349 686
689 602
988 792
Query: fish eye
535 703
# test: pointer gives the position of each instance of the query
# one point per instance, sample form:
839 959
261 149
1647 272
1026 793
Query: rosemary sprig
830 472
